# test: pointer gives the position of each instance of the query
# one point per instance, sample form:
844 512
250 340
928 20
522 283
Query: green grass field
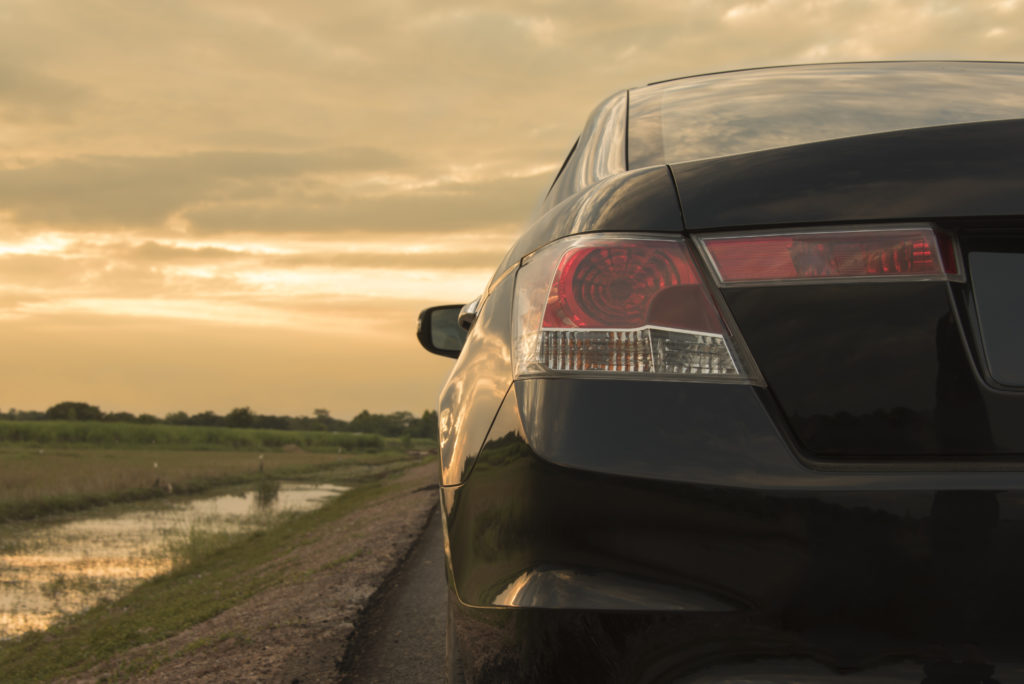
122 435
61 466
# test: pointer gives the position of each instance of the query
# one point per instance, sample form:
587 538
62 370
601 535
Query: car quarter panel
477 383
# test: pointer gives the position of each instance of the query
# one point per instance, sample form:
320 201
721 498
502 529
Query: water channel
51 570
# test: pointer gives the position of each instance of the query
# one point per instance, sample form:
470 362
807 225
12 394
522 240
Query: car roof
868 67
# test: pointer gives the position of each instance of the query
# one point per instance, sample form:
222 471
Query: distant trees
426 426
239 417
208 418
74 410
176 418
397 424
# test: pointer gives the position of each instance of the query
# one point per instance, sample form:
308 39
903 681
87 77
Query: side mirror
439 332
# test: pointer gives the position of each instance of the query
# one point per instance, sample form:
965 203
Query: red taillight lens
893 253
628 284
619 304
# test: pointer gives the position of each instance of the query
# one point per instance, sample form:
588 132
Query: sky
207 204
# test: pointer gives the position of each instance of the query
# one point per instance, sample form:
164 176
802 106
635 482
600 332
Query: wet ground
298 629
51 570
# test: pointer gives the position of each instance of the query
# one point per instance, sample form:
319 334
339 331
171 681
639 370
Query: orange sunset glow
213 204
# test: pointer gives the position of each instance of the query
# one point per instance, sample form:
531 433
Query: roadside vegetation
43 481
211 574
136 436
74 456
397 424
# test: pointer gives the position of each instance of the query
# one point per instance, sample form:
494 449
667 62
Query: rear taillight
611 304
894 252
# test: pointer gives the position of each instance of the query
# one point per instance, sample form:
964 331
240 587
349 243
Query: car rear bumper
656 531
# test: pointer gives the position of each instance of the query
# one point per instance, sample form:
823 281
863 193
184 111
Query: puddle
51 571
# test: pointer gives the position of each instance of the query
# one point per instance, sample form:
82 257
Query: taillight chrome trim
942 240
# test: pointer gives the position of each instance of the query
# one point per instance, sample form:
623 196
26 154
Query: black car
745 402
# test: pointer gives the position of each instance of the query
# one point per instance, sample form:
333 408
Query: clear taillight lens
619 304
907 252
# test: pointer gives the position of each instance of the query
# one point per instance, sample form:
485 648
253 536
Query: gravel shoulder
297 630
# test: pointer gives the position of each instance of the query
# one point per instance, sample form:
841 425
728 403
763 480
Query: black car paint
836 525
945 171
643 200
781 560
778 558
997 282
877 371
477 385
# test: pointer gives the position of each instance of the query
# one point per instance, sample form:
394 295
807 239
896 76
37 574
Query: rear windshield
722 114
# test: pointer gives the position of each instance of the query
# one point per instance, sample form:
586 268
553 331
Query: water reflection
266 493
56 570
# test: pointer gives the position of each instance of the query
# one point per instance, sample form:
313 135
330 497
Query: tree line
397 424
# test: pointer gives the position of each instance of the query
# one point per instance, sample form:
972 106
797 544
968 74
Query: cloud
32 270
156 253
450 206
160 255
469 259
27 96
306 290
119 191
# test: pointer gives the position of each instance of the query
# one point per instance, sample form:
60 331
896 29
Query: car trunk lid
887 370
